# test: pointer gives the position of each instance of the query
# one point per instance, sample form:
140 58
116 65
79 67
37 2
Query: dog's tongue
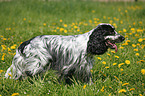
114 46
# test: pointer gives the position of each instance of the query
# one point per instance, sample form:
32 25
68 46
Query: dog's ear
96 43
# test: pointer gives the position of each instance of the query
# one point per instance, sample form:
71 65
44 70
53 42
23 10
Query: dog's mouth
111 45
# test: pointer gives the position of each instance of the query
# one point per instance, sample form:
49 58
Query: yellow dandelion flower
133 30
125 43
116 77
75 27
60 20
121 90
127 61
15 94
108 54
104 17
65 31
93 11
4 39
137 54
114 64
84 86
1 71
133 23
3 57
102 89
124 30
116 56
125 84
91 71
121 47
121 22
65 25
135 49
9 49
104 62
126 11
136 35
119 65
127 40
44 24
112 51
9 74
140 40
13 47
99 58
140 95
133 45
24 19
143 71
131 89
121 69
107 67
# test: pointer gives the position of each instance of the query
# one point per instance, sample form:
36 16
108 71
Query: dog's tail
14 71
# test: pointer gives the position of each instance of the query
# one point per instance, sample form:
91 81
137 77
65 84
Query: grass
121 73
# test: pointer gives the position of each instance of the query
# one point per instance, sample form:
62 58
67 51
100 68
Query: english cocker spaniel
71 56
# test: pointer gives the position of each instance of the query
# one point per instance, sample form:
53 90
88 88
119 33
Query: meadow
114 74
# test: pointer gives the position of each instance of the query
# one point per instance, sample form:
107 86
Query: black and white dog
71 56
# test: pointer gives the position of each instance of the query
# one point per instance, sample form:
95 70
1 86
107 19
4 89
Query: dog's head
103 37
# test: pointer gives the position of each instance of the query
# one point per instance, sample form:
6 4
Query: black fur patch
22 46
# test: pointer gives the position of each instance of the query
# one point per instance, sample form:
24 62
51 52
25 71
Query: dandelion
108 54
65 31
143 71
3 57
133 45
127 61
131 89
1 71
121 47
120 65
44 24
116 56
9 74
104 62
114 64
91 71
15 94
75 27
102 89
24 19
93 11
124 30
121 90
112 51
60 20
65 25
84 86
140 40
107 67
140 95
125 84
137 54
99 58
13 47
135 49
116 77
3 47
121 69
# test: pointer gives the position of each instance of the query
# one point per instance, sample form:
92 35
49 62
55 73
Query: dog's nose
122 38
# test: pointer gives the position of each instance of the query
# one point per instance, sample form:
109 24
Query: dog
72 56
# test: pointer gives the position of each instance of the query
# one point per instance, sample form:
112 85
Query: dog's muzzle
111 40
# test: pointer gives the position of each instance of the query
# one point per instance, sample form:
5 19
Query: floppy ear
96 44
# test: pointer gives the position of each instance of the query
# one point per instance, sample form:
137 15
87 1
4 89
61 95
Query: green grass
21 20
